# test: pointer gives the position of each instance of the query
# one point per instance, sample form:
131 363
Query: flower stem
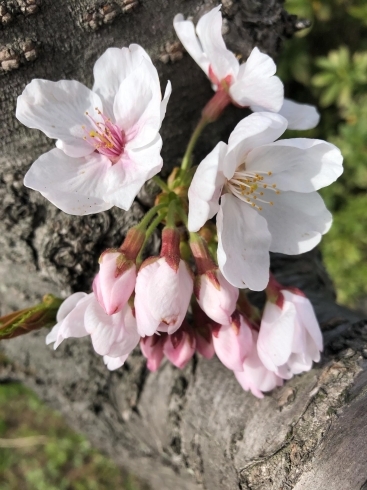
186 161
150 230
149 216
160 183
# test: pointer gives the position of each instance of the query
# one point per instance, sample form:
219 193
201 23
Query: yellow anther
265 186
271 203
270 173
274 186
277 192
261 193
260 208
253 204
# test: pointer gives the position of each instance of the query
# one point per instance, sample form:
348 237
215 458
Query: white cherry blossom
268 196
290 338
108 141
249 83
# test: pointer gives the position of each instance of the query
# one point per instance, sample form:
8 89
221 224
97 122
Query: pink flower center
105 137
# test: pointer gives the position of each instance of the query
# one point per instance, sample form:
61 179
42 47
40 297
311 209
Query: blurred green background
325 65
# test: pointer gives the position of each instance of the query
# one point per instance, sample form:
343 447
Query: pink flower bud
115 282
214 293
216 296
255 377
290 338
233 342
203 326
163 289
152 349
180 346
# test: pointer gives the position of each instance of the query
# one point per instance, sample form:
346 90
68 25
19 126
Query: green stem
149 215
150 230
170 221
186 161
182 215
160 183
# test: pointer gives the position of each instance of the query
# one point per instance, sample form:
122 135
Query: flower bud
115 282
216 296
203 326
163 289
180 346
255 377
233 342
152 349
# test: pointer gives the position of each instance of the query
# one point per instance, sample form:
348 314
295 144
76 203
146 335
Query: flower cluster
263 191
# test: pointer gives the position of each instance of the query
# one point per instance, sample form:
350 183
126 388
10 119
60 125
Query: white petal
73 325
204 191
128 337
299 116
185 31
254 130
111 69
137 107
129 174
51 337
222 61
75 185
68 305
167 95
298 164
113 363
104 329
59 110
307 316
276 334
296 221
243 244
256 83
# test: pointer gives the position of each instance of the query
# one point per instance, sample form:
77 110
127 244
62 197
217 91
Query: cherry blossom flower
81 315
264 192
255 377
251 83
233 342
108 141
290 338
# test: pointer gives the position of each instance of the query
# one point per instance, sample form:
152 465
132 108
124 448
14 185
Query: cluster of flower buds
262 190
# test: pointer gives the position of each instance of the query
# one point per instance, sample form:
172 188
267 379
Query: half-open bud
180 346
152 349
233 342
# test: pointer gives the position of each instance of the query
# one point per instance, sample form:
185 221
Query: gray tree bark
186 429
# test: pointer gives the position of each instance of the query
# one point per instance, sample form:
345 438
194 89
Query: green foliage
66 461
327 65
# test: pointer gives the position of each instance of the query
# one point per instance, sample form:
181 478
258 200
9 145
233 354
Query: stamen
105 137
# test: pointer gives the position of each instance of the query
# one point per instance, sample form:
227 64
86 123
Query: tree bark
187 429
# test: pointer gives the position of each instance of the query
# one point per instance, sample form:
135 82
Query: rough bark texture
184 430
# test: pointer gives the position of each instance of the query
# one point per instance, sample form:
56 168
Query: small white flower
290 338
268 199
108 141
251 83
